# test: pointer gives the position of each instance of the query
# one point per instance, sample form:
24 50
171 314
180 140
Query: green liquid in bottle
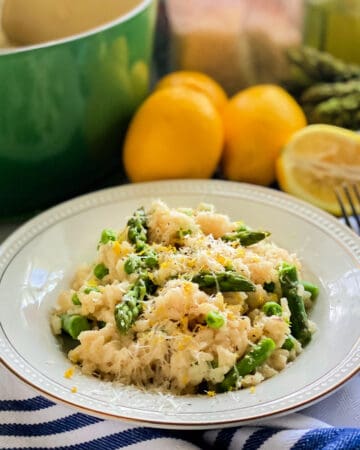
334 26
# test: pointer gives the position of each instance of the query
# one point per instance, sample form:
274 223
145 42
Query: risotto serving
186 301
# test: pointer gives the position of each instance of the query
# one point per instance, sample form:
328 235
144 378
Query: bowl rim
141 6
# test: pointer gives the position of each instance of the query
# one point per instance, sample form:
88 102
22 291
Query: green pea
75 299
107 235
100 271
183 233
91 289
289 343
215 320
272 309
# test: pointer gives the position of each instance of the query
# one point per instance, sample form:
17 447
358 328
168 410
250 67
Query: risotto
186 301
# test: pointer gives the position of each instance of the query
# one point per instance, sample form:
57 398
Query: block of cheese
237 42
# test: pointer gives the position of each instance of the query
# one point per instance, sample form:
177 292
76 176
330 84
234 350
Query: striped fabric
29 421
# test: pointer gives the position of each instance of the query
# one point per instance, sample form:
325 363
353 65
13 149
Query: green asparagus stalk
245 236
137 235
327 88
246 365
132 264
137 229
319 66
147 260
324 91
224 281
129 309
74 324
342 112
312 288
289 283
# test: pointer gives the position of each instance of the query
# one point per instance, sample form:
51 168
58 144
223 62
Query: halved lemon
317 159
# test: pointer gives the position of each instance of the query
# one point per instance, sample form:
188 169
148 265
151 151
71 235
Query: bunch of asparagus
327 88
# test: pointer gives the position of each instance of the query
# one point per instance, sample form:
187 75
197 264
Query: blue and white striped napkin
29 421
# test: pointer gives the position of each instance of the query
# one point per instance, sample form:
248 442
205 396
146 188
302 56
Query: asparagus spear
320 66
74 324
129 309
324 91
147 260
224 281
245 236
312 288
132 264
339 111
137 229
289 283
137 235
247 364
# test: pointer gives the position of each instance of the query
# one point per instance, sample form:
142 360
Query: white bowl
38 260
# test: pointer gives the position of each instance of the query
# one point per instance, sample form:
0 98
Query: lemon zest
69 372
116 248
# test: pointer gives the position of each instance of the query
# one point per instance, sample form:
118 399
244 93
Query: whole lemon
199 82
176 133
258 122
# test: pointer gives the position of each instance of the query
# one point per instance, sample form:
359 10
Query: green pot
65 107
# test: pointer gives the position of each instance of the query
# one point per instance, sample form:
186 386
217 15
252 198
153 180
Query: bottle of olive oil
333 26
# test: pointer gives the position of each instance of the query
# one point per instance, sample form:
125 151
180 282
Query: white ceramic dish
37 261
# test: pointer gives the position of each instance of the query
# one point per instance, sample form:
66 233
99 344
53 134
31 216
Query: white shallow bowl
39 259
